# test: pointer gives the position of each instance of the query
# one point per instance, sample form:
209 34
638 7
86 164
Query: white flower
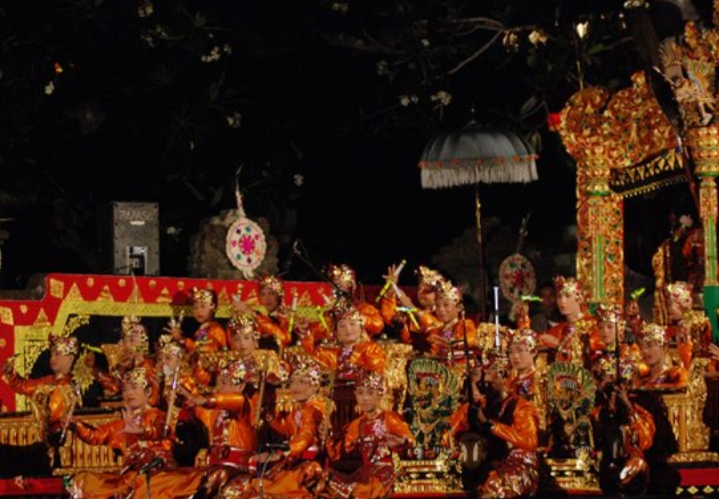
173 231
227 49
443 97
425 42
686 221
49 88
382 67
414 99
537 37
148 39
235 120
145 10
340 7
213 56
582 29
299 179
404 100
635 4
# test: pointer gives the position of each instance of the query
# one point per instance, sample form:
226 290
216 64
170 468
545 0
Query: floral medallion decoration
516 277
246 245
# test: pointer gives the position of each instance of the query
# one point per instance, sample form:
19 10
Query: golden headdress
569 286
610 313
170 347
524 336
304 365
129 323
64 345
347 312
272 282
653 333
206 296
235 371
681 293
430 277
371 379
343 275
447 291
138 377
497 360
243 325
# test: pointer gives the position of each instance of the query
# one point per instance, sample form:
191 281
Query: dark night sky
362 202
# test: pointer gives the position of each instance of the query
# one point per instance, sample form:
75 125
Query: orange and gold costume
347 361
137 450
454 332
295 475
373 322
375 478
209 337
275 325
671 378
512 467
576 340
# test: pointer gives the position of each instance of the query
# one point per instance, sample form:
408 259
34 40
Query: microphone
154 464
280 446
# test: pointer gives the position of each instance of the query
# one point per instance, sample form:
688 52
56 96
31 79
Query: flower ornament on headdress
64 345
430 277
681 293
569 286
305 366
526 337
235 372
342 275
346 312
206 296
137 377
243 325
653 333
372 380
447 291
610 313
271 282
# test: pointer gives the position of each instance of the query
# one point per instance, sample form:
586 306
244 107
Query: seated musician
374 435
689 329
53 397
354 350
509 426
271 314
623 430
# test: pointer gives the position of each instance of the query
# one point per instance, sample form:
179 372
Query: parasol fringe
439 174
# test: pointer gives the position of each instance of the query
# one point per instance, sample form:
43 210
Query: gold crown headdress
447 291
206 296
129 323
681 292
304 365
272 282
64 345
170 347
430 277
236 371
525 336
569 286
138 377
496 360
610 313
653 333
243 325
372 380
346 312
342 275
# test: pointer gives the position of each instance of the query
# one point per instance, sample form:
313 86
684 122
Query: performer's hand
714 352
404 300
132 424
481 417
302 326
621 392
391 274
241 307
90 360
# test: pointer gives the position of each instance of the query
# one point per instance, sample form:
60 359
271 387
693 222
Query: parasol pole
480 244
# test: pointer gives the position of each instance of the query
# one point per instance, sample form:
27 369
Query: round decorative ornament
516 277
245 243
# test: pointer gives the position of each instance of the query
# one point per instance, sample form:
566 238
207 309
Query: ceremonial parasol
474 155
